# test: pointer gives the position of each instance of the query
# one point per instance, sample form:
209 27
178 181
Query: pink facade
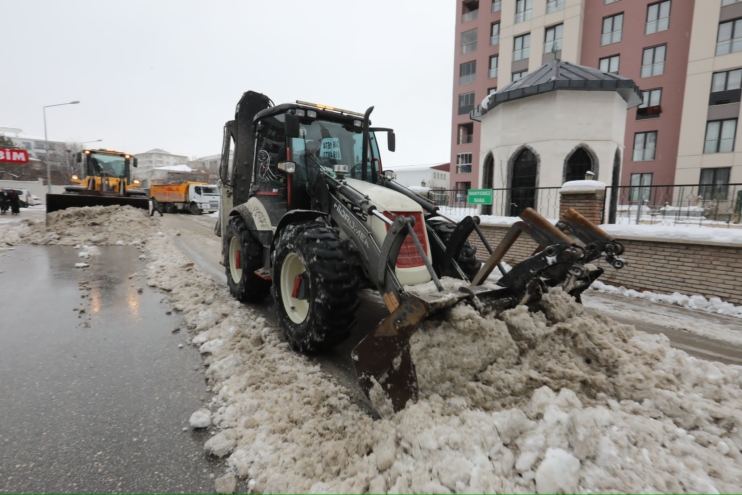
630 50
672 82
480 86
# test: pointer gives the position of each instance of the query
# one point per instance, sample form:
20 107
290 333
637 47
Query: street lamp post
46 140
94 141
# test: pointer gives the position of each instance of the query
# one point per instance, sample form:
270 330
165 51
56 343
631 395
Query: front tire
314 286
242 257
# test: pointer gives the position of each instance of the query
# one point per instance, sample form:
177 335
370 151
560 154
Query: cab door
271 185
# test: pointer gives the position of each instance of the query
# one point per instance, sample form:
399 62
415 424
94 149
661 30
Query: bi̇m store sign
13 155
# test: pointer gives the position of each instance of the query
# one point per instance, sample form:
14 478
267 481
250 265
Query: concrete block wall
662 267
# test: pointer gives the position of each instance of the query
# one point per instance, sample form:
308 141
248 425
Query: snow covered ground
551 401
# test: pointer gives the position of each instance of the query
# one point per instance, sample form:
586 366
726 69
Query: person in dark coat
4 201
15 202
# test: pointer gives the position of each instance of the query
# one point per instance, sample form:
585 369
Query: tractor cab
107 163
295 143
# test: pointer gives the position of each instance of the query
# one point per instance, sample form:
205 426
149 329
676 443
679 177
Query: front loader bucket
55 202
383 356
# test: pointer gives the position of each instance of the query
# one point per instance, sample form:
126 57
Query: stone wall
664 267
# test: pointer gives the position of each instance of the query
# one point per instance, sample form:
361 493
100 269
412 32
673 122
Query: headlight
136 181
74 177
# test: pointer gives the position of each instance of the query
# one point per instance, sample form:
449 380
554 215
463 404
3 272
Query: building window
466 132
640 189
720 136
729 38
658 17
466 103
469 41
612 29
725 87
463 163
468 72
653 61
495 34
491 91
553 38
523 10
493 65
519 75
554 5
650 106
714 183
645 144
729 2
496 5
610 64
470 11
522 47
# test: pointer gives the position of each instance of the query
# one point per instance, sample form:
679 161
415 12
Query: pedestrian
15 202
155 208
4 201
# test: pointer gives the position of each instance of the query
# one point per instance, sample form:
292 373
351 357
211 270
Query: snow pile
712 305
101 225
693 233
554 400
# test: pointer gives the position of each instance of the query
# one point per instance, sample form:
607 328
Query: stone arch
488 179
575 163
523 177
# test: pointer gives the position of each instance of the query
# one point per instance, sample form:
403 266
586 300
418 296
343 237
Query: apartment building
709 152
500 41
155 158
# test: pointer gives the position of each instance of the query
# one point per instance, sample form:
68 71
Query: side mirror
391 140
136 162
292 126
78 157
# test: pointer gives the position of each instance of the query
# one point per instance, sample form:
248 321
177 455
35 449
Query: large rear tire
242 257
194 209
314 286
170 208
467 259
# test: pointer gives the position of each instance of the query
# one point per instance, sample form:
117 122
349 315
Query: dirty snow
711 305
553 400
96 225
200 419
583 186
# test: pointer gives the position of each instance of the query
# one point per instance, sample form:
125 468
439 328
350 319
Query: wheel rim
235 261
296 309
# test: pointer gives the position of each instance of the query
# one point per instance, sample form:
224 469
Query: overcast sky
168 74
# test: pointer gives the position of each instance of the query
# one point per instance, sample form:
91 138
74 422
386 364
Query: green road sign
480 197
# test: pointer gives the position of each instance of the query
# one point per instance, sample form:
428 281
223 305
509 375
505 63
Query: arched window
488 179
578 164
523 183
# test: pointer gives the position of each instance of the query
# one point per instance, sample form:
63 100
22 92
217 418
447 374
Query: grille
408 255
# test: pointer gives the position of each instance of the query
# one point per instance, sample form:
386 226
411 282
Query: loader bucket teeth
384 355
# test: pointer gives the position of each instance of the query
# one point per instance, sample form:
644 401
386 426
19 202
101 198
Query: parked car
26 198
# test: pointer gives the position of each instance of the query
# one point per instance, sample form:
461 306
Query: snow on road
550 401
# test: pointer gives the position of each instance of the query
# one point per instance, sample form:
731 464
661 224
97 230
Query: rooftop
560 75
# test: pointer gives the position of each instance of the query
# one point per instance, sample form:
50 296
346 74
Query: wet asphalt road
95 401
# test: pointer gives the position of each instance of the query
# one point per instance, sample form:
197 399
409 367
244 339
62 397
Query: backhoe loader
309 216
107 181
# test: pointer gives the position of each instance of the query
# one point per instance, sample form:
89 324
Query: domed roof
561 75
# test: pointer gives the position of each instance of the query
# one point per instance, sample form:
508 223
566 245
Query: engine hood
385 199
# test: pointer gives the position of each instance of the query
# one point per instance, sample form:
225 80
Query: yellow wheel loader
107 182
